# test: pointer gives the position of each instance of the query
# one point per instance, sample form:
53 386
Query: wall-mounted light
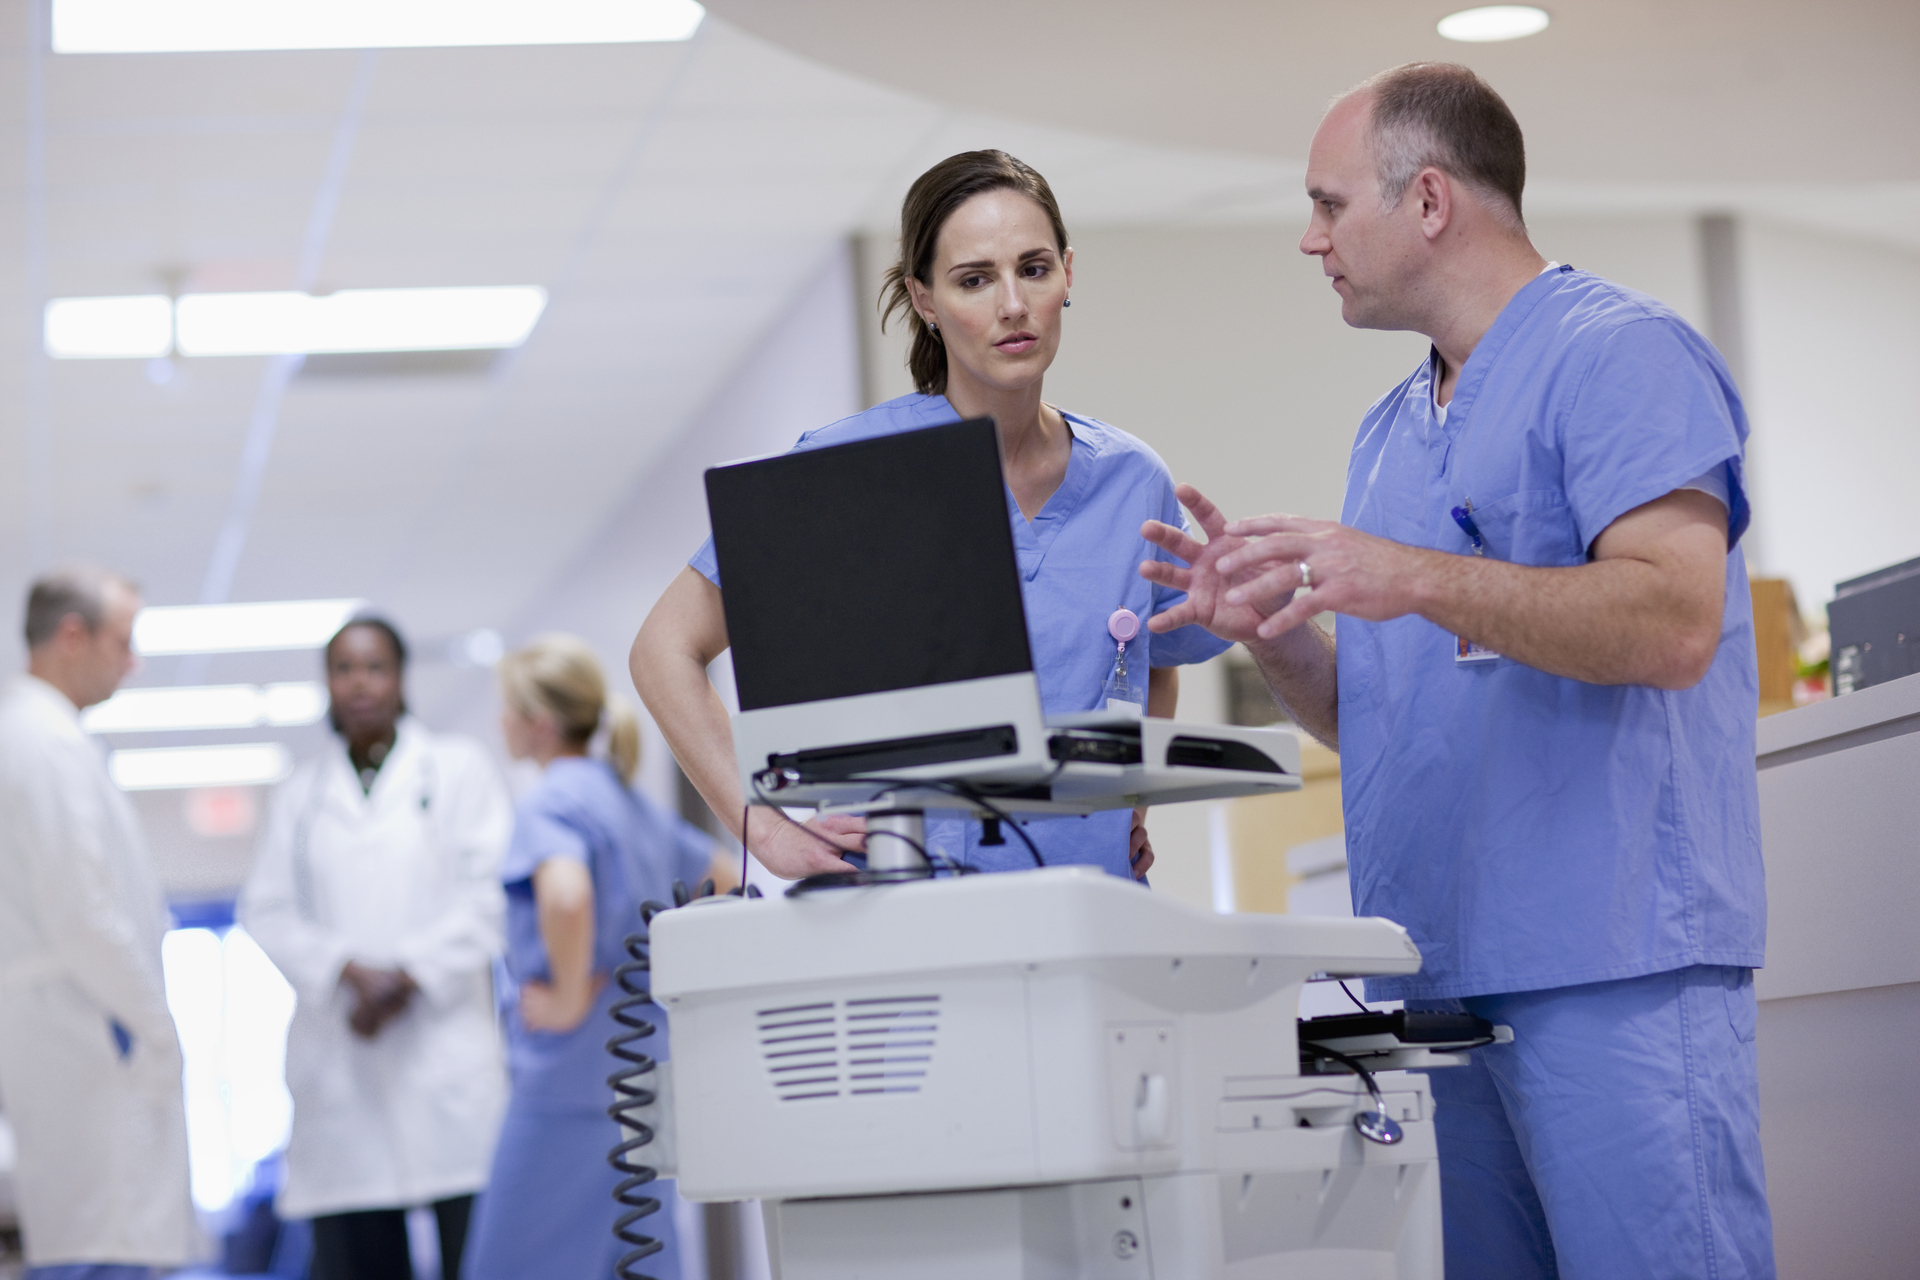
224 26
239 628
1494 22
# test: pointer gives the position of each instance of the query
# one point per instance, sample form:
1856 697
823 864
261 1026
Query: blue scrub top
634 851
1532 831
1079 561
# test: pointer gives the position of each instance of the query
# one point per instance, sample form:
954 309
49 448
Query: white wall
1658 255
1833 335
804 372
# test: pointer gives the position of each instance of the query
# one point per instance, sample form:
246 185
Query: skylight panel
254 324
222 706
239 628
228 26
109 328
247 764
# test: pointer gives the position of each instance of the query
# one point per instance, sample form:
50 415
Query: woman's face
363 681
995 290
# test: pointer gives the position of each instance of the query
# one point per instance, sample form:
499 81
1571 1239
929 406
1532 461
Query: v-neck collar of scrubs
1486 353
1033 538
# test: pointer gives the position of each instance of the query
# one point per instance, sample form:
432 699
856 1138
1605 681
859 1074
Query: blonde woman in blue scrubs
983 280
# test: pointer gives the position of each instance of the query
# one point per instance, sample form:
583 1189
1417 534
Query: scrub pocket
1531 527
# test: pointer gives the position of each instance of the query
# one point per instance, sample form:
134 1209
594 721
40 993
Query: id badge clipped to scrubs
1465 650
1125 691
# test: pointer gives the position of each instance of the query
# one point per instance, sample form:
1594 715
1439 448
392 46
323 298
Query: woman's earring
1067 303
932 327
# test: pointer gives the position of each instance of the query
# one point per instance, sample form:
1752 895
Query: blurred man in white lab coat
376 891
89 1060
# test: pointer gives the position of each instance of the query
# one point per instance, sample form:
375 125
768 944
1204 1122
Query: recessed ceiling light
247 764
239 628
1494 22
109 328
219 706
215 26
268 324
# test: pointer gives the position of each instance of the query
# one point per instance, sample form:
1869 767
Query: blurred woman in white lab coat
376 891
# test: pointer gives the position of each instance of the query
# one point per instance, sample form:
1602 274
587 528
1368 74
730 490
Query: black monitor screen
864 567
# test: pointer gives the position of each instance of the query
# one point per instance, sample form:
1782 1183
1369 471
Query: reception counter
1839 1031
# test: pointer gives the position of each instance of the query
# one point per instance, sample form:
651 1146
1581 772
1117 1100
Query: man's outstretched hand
1203 578
1240 583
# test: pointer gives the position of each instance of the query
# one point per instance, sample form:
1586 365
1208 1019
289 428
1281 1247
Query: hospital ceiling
1614 91
673 198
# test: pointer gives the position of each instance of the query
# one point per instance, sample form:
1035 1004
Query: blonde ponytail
556 675
623 738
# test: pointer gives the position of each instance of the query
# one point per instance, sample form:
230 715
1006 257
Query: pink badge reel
1124 625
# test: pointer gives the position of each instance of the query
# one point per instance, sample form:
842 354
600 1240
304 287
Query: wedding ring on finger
1306 576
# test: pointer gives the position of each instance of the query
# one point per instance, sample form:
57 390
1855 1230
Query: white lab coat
406 876
102 1138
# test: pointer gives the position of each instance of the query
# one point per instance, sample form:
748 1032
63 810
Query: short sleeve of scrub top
1649 418
1079 560
539 833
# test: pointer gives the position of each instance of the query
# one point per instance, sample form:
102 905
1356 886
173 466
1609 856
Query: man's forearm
1621 621
1299 669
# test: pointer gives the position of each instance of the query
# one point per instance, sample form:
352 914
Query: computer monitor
873 605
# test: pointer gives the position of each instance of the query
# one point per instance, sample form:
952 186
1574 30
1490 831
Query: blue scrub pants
1617 1136
548 1211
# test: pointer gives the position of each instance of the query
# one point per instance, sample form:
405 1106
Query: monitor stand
896 838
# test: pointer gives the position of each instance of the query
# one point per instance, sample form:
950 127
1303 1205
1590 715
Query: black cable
746 812
1356 999
951 788
631 1098
965 793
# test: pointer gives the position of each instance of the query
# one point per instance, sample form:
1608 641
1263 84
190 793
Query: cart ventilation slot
853 1048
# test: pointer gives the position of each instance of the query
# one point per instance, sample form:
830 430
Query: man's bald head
1441 115
80 631
81 590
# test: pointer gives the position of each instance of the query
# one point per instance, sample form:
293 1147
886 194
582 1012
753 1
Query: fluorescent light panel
1494 22
250 764
262 324
96 328
202 26
220 706
239 628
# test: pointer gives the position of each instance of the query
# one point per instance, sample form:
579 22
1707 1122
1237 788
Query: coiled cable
632 1097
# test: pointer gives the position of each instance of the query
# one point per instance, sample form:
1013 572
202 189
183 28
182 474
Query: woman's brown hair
929 203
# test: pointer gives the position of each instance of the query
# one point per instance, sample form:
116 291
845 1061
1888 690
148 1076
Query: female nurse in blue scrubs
983 279
587 850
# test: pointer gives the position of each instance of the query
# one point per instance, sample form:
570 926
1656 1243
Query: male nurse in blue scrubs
1542 688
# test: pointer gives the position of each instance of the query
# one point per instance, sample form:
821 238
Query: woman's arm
687 630
563 900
